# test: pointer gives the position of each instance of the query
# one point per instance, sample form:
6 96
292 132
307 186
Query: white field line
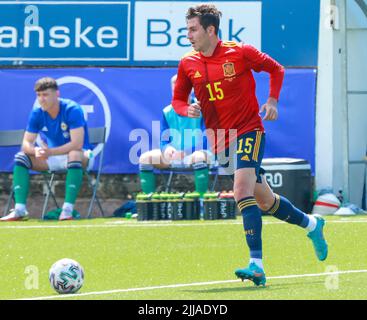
170 286
150 224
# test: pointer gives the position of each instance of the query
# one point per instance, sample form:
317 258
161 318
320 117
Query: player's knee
199 160
75 155
145 158
198 156
265 203
242 191
243 187
23 160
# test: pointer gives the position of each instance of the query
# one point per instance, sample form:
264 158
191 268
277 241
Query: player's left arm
271 109
75 121
260 61
76 143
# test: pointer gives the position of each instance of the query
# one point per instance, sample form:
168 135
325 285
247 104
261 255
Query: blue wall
134 97
290 31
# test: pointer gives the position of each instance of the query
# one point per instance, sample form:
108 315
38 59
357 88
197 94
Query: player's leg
250 148
22 164
74 177
282 209
147 162
201 171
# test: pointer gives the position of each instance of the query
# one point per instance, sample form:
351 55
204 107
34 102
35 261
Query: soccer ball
66 276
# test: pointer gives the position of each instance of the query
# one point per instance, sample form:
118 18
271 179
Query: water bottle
163 206
192 205
211 206
156 203
223 205
177 206
227 205
170 205
143 206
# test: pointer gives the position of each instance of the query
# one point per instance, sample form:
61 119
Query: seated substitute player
62 127
221 74
183 144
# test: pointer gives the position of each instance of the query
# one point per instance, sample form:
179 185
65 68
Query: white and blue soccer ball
66 276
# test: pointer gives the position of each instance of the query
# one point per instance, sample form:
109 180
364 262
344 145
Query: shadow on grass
247 286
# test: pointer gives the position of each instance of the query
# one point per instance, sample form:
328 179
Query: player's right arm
30 136
29 148
181 93
28 144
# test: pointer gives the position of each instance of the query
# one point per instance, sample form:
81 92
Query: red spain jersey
225 86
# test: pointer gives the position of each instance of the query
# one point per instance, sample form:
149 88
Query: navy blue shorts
247 152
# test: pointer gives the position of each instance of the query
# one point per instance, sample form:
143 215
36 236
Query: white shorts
60 163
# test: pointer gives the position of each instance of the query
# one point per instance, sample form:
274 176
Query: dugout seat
10 138
97 136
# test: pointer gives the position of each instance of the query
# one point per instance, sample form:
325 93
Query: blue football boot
318 240
253 273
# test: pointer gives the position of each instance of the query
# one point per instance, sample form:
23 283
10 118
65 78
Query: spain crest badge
228 69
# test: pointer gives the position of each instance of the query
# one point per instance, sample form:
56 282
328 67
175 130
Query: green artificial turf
192 260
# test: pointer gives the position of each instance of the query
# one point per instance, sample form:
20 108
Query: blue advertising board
52 32
129 102
149 33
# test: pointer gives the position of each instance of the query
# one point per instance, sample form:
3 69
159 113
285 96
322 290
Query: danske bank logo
62 30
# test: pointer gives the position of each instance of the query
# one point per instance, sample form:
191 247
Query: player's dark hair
45 83
208 15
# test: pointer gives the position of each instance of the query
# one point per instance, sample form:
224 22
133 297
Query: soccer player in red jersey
221 75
